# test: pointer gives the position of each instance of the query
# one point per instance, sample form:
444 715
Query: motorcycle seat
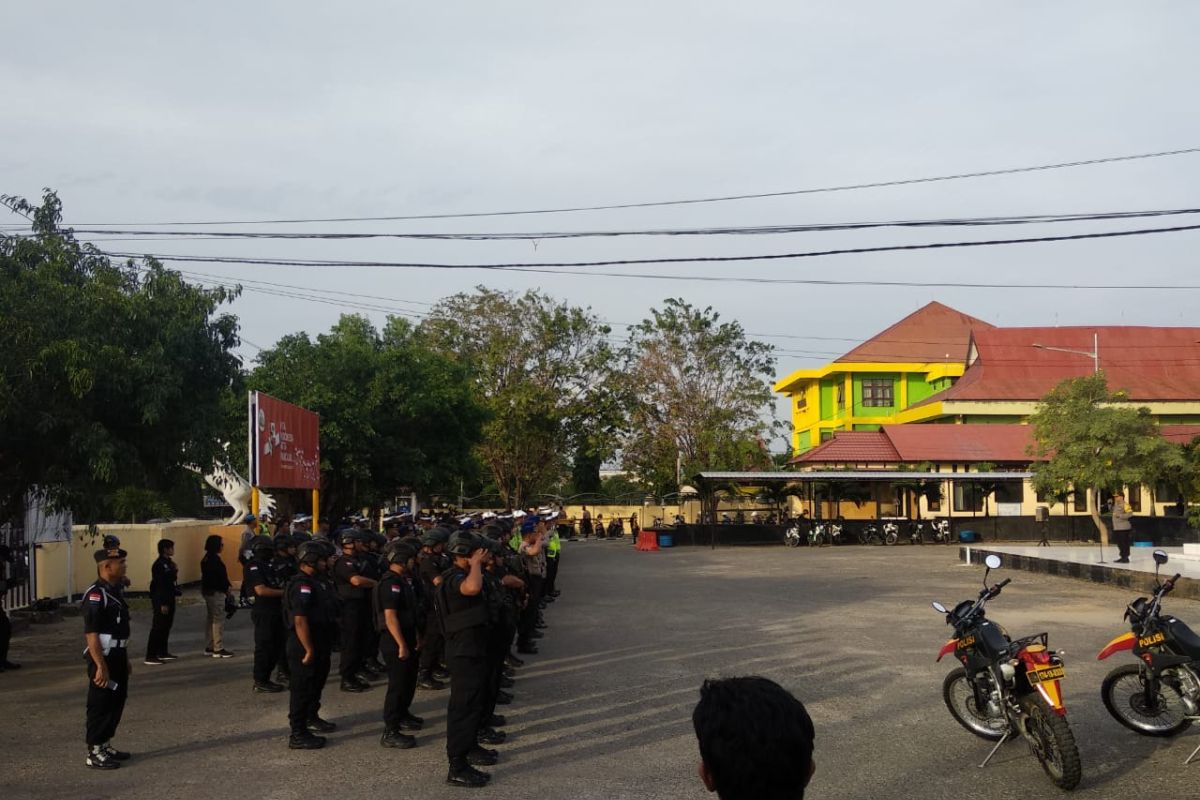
1185 637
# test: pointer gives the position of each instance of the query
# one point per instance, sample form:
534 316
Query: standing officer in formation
164 588
465 623
353 587
396 615
432 561
261 583
310 615
106 630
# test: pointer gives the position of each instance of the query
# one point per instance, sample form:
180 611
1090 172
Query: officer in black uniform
309 613
164 580
6 559
396 612
502 618
463 607
353 588
431 563
106 630
375 567
270 637
284 565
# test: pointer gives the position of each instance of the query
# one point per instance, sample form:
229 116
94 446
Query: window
1079 497
967 496
1133 496
1010 492
802 401
826 436
877 392
841 395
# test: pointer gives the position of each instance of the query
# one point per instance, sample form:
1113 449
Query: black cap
109 552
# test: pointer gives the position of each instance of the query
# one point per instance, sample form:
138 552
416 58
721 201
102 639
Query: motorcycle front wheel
890 538
960 700
1053 743
1124 695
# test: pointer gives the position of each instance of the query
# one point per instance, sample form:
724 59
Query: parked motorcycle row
1012 687
887 532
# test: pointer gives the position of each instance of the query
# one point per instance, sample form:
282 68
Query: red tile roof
1180 434
961 443
1147 363
934 333
852 447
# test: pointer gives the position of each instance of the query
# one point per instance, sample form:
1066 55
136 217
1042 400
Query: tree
394 414
542 370
112 376
924 484
1092 442
700 396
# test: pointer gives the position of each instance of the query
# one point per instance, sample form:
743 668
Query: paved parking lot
604 711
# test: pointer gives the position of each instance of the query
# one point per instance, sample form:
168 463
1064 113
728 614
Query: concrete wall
58 574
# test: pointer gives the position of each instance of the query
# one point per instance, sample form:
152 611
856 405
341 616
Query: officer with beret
396 613
353 588
106 630
431 563
310 616
465 622
270 637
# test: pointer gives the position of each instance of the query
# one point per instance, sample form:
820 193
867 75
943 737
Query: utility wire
552 268
752 230
691 201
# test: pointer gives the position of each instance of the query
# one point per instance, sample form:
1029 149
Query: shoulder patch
395 588
305 589
254 569
94 597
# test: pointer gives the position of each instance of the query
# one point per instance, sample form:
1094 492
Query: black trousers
270 640
468 693
498 644
1124 539
433 648
402 681
354 638
551 573
105 706
307 683
529 614
160 631
5 633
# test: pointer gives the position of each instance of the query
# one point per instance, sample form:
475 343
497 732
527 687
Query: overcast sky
147 112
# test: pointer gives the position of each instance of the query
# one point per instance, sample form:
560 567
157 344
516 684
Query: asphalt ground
605 710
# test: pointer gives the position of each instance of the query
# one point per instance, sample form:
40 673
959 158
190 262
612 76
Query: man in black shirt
164 579
353 587
396 611
464 613
310 618
261 583
431 563
106 630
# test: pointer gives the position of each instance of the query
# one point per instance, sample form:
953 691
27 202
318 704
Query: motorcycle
916 532
941 531
1159 695
871 533
891 533
825 531
792 536
1008 687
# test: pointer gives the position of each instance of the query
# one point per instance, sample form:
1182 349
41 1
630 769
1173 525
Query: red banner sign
285 444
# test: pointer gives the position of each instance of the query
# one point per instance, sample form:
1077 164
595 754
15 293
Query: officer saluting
309 612
464 613
106 629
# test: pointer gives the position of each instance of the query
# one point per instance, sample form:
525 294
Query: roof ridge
932 305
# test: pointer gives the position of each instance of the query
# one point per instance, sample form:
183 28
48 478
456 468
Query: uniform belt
119 644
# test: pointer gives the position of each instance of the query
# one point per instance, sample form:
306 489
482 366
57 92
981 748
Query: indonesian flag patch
395 589
95 597
305 589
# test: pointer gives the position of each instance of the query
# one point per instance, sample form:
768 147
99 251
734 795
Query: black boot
394 738
427 681
466 775
305 741
321 726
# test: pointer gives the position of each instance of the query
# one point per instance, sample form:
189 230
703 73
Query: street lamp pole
1093 354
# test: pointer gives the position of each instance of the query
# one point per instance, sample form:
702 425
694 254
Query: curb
1096 573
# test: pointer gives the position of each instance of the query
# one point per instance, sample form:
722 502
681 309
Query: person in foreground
106 631
756 740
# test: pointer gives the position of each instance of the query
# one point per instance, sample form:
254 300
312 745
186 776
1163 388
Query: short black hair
163 544
213 543
756 739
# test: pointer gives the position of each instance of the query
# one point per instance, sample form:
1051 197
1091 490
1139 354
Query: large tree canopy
1093 442
541 369
395 415
701 396
111 376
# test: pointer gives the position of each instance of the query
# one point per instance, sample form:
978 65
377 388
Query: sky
139 112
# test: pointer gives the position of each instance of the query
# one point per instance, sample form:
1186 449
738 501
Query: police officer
164 579
375 567
106 630
6 558
285 565
464 614
431 563
310 617
396 614
262 584
353 587
499 586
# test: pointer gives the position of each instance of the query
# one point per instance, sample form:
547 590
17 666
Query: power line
691 201
751 230
554 268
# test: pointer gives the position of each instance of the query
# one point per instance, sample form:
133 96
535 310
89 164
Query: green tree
542 370
112 376
394 414
924 484
1093 440
700 396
